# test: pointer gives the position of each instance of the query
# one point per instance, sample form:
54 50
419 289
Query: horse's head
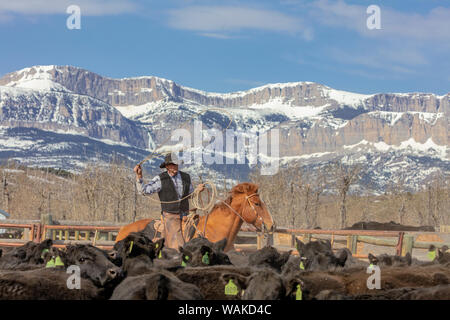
252 208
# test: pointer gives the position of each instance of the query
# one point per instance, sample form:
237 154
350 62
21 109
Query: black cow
94 265
29 256
45 284
156 285
385 260
137 253
318 255
268 257
202 252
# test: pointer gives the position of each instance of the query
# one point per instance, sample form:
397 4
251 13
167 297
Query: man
171 185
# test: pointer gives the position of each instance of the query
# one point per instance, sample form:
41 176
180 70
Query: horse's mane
240 188
222 205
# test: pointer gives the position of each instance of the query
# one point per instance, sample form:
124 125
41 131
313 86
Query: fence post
46 219
293 242
258 241
408 244
269 239
399 247
307 237
352 243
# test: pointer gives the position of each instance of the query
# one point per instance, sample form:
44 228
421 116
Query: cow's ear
221 244
342 256
292 285
47 242
159 245
284 257
236 278
408 258
300 246
205 249
327 242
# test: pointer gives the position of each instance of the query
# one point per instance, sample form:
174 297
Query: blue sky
226 46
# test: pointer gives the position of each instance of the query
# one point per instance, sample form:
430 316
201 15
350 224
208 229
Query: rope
196 198
196 194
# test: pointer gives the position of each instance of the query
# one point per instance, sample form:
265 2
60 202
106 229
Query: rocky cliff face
316 122
67 112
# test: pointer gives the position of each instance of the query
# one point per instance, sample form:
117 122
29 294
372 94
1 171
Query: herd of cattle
140 269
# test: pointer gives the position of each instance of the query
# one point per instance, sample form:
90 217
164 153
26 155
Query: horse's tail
132 227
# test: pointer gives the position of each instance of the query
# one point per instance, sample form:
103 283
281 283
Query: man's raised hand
138 170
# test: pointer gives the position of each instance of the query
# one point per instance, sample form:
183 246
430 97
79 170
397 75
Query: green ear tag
131 246
156 245
50 263
302 267
183 264
160 255
43 252
298 294
205 258
371 265
186 257
231 289
432 255
58 262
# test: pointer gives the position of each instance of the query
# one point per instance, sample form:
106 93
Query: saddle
188 226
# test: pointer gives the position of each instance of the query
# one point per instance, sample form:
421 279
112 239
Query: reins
234 211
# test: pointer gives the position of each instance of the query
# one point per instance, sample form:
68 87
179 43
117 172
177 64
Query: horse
225 218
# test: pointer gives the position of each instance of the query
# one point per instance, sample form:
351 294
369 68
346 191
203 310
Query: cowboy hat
170 158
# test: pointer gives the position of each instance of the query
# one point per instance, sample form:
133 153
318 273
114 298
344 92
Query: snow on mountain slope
37 78
317 123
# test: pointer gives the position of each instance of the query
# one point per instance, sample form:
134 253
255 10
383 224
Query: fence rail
103 234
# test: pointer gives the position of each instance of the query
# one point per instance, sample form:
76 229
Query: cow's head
94 264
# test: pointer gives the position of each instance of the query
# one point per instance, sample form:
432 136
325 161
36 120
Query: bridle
258 217
240 215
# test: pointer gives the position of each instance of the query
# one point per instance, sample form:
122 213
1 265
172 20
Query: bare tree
345 176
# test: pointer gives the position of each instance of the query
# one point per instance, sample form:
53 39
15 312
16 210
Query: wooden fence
102 235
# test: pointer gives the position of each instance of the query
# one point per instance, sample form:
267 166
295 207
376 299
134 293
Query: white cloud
219 19
215 35
434 25
88 7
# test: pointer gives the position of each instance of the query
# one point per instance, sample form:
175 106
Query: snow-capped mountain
387 133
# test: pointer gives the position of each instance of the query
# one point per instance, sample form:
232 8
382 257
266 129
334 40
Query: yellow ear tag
231 289
160 255
131 246
205 258
298 294
42 253
50 263
58 262
302 267
432 255
156 245
371 265
183 264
